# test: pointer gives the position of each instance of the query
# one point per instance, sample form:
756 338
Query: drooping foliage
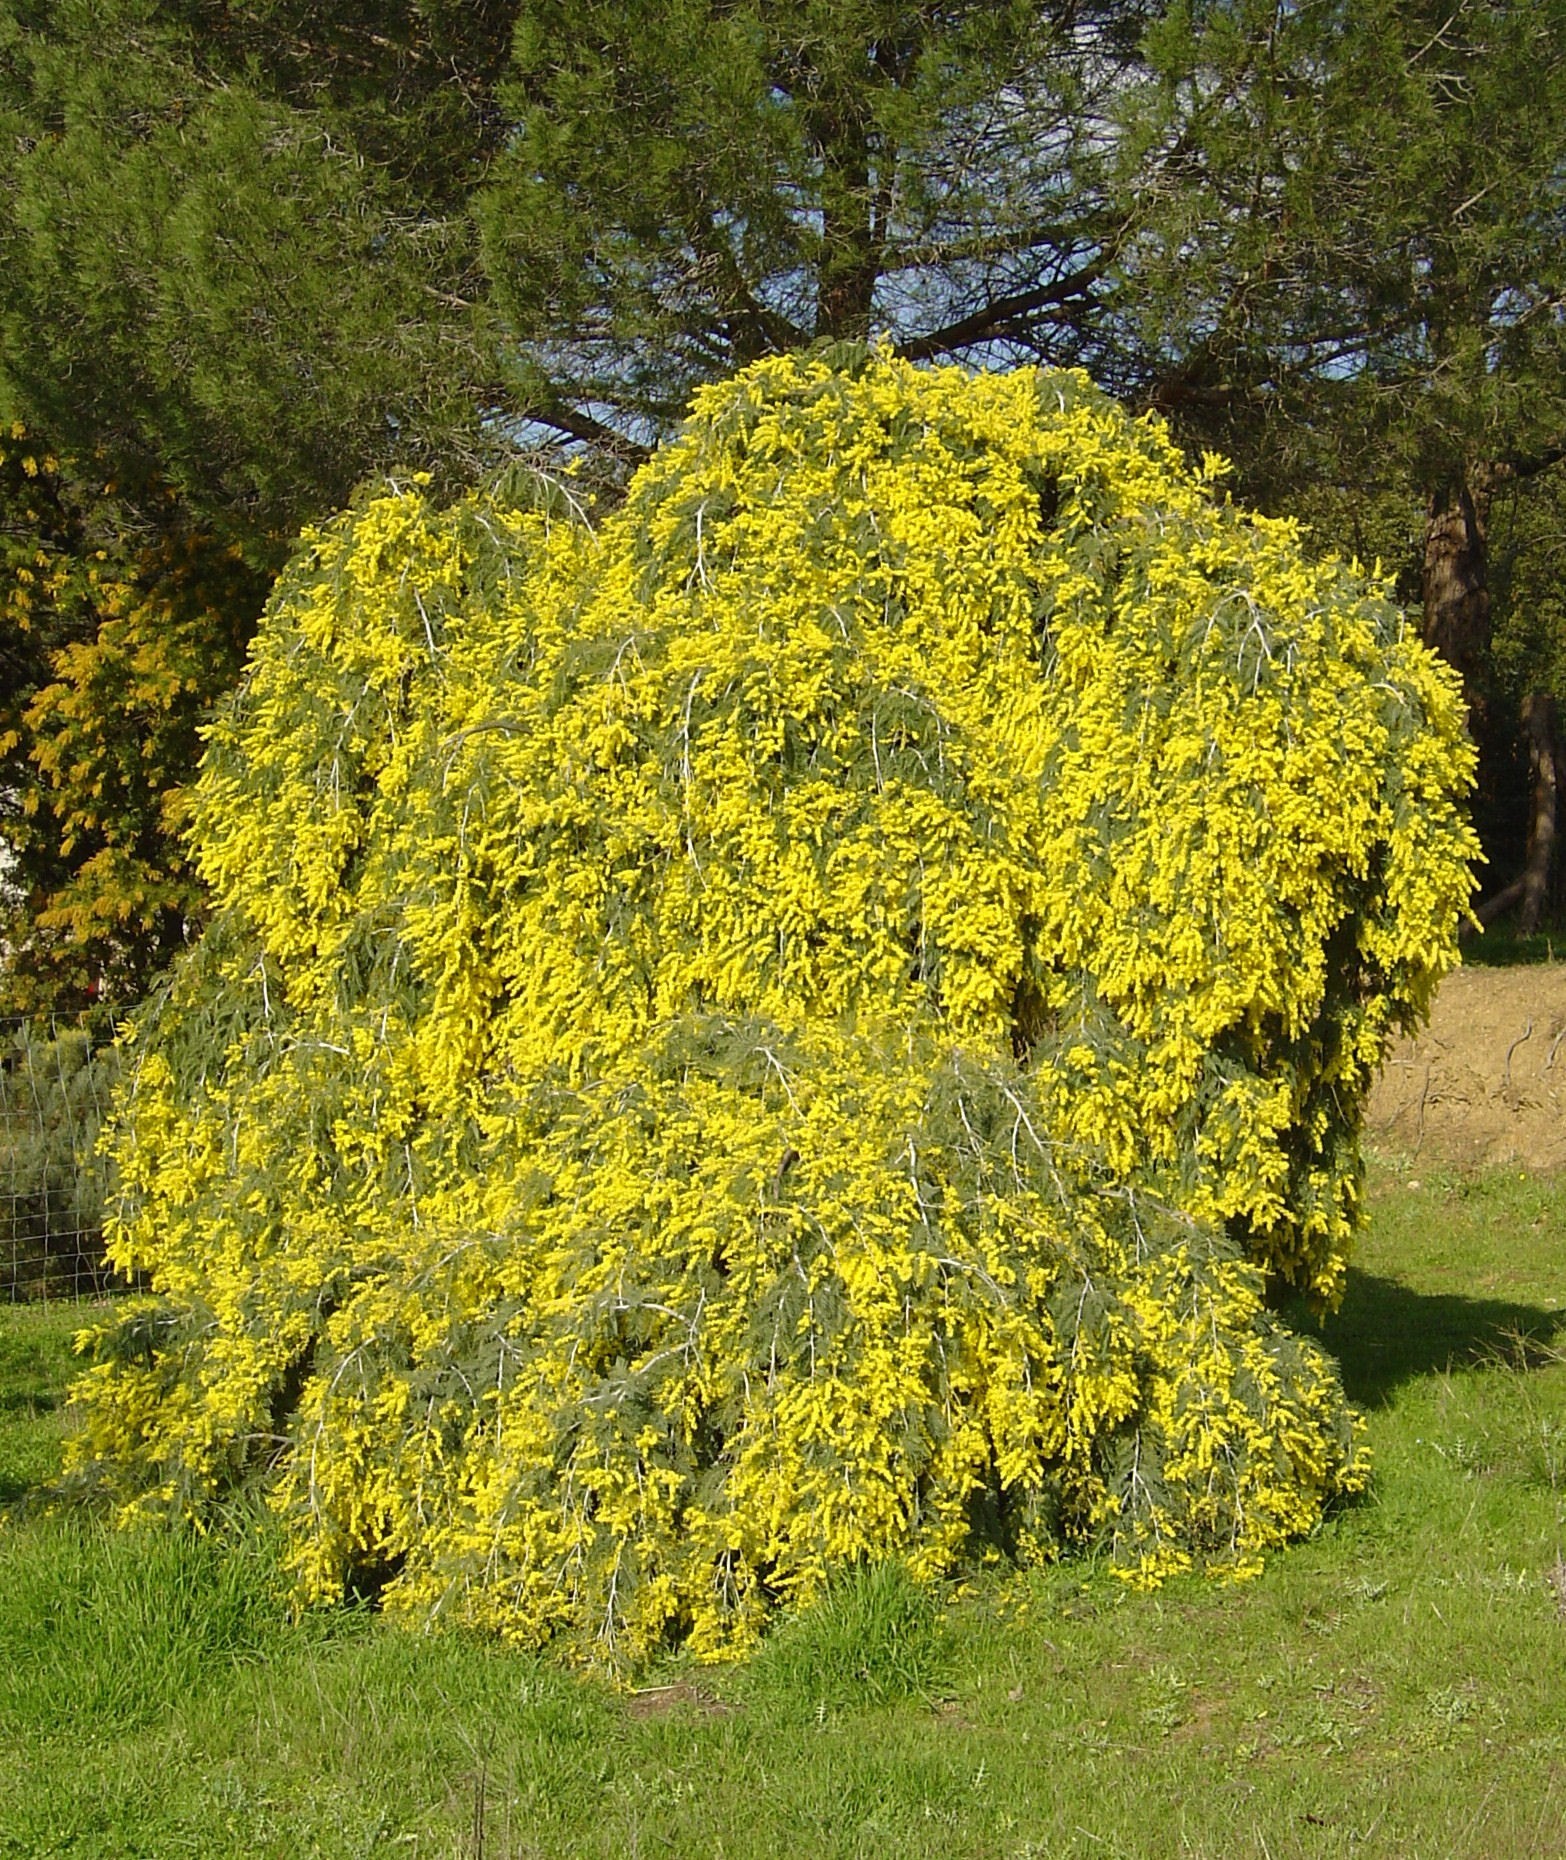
788 1025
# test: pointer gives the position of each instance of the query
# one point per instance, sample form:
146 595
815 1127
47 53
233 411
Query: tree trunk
1457 587
1544 763
1530 889
850 261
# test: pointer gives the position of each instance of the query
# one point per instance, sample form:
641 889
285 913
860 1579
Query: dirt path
1486 1081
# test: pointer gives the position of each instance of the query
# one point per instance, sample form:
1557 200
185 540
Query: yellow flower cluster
790 1026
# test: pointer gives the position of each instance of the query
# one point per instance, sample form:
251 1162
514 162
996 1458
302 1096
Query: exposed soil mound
1486 1081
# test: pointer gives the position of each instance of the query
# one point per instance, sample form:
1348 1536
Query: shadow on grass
1504 949
1385 1333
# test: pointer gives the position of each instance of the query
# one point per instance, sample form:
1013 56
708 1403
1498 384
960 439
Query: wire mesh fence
55 1081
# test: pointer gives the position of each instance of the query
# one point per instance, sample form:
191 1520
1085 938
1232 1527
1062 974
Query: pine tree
235 248
691 186
270 249
1351 254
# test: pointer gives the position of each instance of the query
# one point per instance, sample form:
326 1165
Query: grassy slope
1390 1687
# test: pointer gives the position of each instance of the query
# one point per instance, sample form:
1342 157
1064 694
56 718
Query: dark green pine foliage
694 184
274 246
1349 242
235 251
1350 265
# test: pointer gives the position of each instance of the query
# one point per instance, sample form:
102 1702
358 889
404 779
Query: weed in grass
876 1637
104 1627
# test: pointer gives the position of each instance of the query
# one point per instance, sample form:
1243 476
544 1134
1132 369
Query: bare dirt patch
680 1699
1485 1083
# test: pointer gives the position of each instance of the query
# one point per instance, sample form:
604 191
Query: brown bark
1003 315
1457 585
1543 755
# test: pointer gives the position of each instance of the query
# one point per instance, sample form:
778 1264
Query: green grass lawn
1500 947
1394 1686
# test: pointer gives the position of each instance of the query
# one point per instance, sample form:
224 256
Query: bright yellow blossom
791 1027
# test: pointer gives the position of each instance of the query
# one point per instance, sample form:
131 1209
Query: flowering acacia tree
788 1026
117 634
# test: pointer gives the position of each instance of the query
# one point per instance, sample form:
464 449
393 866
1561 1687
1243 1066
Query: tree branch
766 329
1533 463
575 424
989 321
1502 902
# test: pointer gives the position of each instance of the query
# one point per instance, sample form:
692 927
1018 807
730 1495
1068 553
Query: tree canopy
236 244
1350 253
257 253
693 186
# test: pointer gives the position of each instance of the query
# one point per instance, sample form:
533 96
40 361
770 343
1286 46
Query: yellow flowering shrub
790 1024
